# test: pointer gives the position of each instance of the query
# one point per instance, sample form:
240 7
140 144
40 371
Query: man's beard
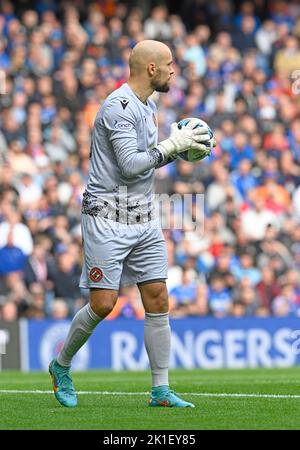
160 87
163 88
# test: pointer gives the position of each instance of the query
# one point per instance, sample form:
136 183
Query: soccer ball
196 155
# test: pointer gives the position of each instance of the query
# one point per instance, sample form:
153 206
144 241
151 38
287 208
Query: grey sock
82 326
157 336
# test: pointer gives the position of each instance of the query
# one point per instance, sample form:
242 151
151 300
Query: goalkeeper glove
183 139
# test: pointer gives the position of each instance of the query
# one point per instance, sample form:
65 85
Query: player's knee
158 302
106 309
102 309
102 303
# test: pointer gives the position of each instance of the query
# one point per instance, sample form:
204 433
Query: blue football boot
62 384
163 396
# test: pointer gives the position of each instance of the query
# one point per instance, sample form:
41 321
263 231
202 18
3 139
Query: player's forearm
165 162
140 162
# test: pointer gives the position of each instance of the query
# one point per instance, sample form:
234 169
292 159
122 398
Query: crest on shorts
96 274
154 119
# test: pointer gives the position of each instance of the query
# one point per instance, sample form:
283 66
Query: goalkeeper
122 241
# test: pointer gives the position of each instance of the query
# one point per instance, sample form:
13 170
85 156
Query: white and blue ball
191 154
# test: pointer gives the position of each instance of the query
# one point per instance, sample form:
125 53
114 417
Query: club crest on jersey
96 274
122 125
124 103
154 119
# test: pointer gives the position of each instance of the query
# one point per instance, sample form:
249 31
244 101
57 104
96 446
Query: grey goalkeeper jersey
123 158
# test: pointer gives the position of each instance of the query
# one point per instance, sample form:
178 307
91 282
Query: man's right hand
183 139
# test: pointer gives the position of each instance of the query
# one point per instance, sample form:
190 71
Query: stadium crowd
237 66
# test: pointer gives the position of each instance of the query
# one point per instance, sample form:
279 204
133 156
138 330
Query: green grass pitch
224 399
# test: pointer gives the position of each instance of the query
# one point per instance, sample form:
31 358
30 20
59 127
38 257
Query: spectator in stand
157 26
240 150
265 37
59 309
223 270
219 297
246 269
182 296
286 304
16 292
29 191
292 277
65 278
16 233
276 255
39 263
243 178
289 175
288 58
248 297
12 258
267 288
245 36
219 188
254 220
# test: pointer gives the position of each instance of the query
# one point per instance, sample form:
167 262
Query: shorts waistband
130 216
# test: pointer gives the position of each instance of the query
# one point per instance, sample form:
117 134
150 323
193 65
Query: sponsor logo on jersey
124 103
96 274
122 125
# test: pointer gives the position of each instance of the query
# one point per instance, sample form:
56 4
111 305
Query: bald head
147 52
151 61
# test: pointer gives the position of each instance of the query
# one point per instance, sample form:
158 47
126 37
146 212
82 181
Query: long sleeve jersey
123 158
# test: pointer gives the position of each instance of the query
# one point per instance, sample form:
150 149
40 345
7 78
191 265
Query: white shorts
118 255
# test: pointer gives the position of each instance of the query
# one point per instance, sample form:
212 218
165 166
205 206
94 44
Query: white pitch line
196 394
